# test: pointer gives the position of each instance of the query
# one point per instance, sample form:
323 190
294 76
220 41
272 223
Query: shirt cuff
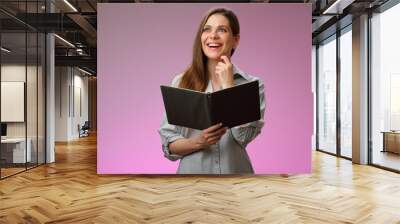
167 152
244 134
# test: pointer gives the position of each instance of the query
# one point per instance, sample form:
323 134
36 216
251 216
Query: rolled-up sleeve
244 134
170 133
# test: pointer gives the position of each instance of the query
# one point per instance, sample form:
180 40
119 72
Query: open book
198 110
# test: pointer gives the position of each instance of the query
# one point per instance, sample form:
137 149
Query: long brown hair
196 76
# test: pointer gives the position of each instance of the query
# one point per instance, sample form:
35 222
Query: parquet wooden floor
10 171
70 191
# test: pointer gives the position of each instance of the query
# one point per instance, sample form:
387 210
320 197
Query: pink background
143 46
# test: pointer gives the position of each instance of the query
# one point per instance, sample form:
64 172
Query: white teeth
213 45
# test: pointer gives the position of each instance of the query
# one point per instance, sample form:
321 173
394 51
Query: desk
13 150
391 141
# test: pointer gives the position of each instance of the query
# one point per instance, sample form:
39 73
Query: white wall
81 102
15 72
61 103
71 93
33 127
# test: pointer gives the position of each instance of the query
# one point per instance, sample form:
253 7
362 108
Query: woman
215 150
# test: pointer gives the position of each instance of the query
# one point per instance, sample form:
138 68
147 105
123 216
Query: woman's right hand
210 136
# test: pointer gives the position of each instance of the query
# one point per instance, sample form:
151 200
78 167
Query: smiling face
217 38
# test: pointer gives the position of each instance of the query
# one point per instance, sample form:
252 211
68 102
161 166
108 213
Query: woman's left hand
224 72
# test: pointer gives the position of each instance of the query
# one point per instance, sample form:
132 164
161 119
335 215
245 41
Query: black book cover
198 110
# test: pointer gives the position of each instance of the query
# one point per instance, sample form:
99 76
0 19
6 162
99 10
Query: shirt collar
237 73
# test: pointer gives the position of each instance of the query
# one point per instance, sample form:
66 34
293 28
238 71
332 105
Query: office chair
84 130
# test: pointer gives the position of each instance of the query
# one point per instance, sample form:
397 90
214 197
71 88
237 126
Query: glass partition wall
385 89
22 87
334 84
327 95
334 93
345 62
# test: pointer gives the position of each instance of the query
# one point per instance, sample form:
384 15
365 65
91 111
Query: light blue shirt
229 155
